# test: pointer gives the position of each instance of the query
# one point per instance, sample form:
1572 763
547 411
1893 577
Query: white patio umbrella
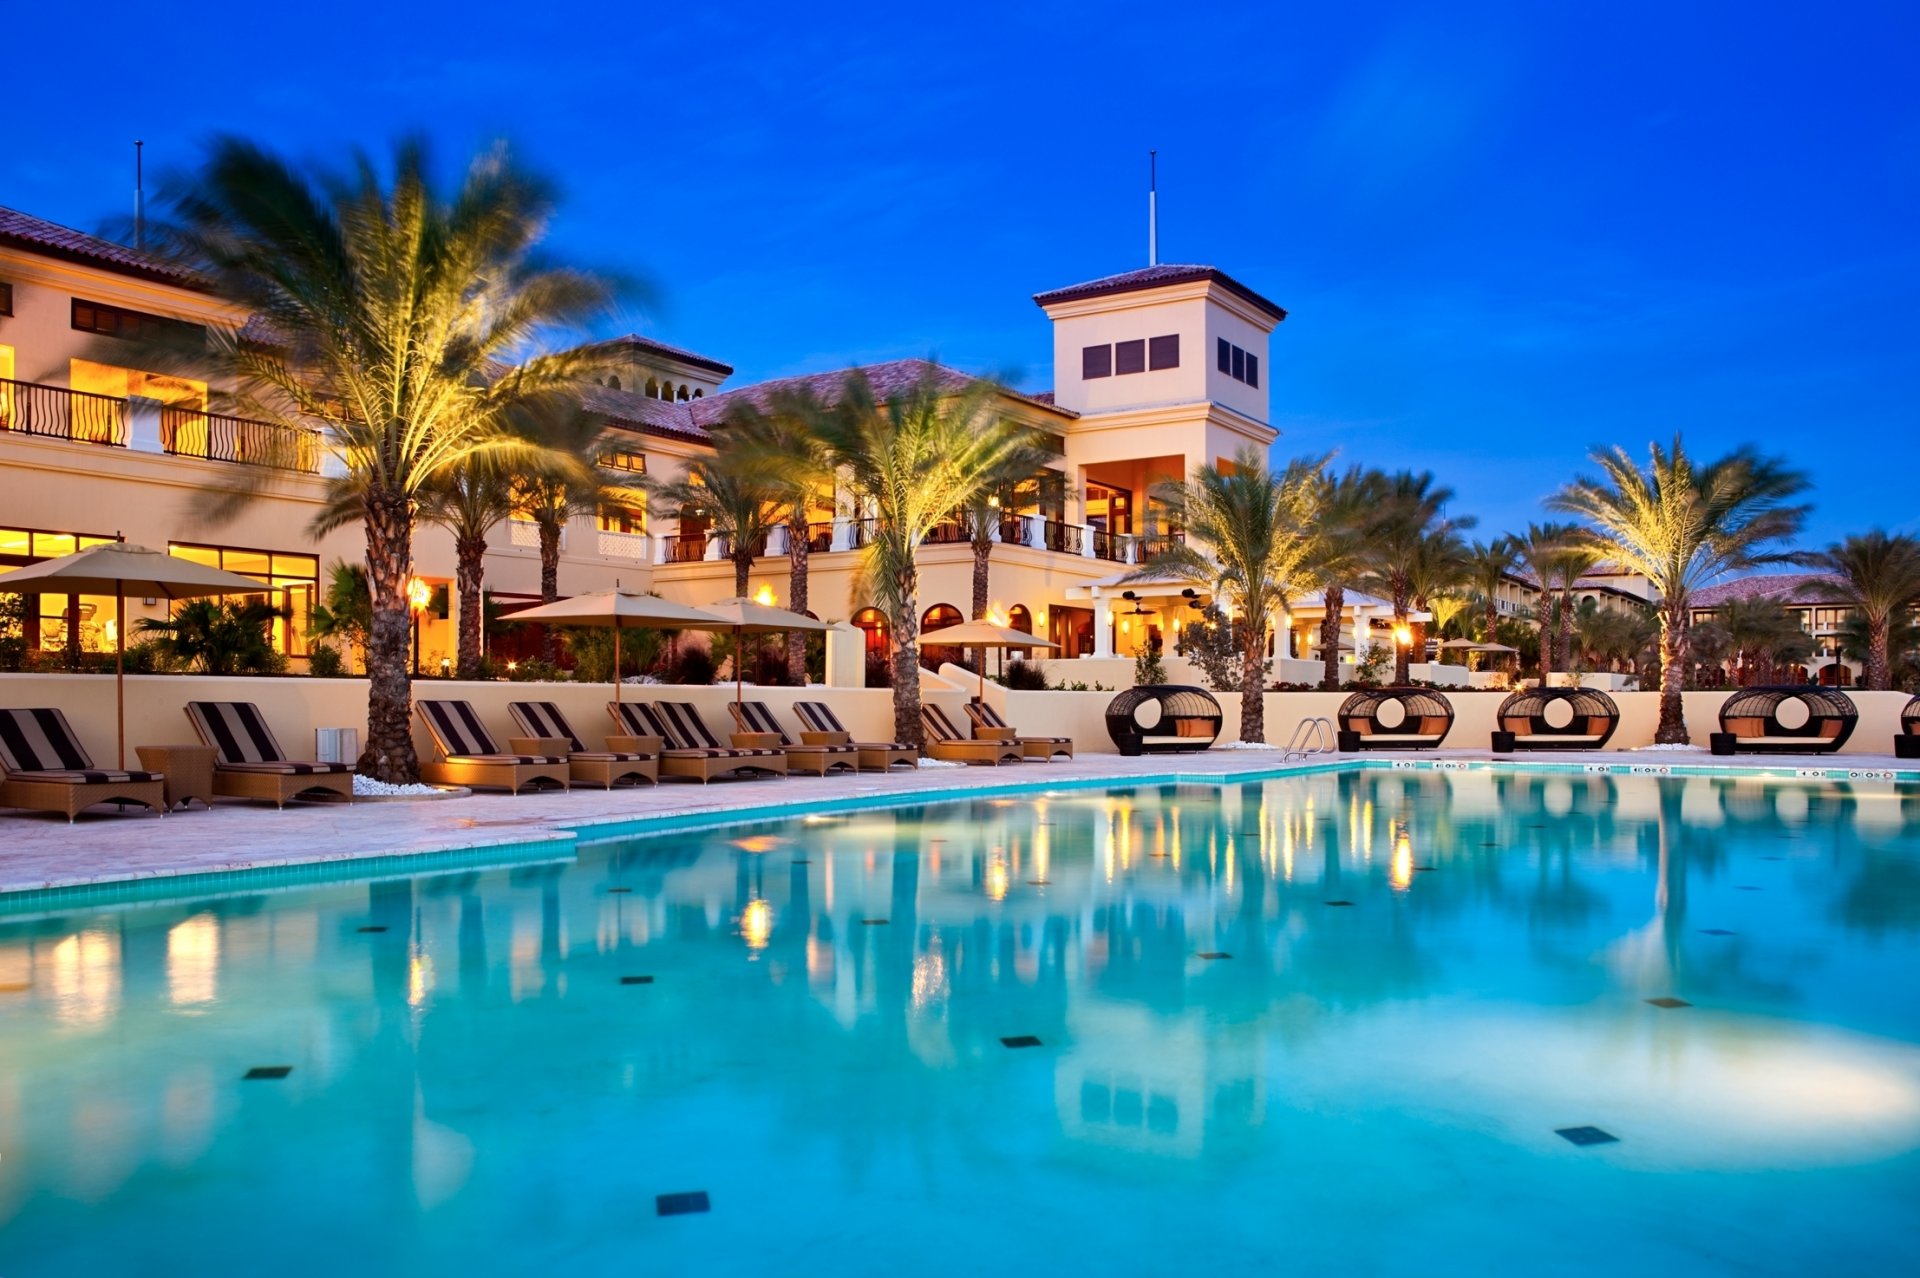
744 616
115 568
621 610
982 634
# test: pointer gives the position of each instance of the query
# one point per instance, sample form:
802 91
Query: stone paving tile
41 850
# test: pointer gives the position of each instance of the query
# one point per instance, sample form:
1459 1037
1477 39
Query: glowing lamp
419 594
764 596
1403 635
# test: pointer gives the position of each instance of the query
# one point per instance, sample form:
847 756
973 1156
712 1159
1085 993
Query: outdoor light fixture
764 597
1403 635
419 594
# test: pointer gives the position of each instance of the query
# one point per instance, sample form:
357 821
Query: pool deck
41 850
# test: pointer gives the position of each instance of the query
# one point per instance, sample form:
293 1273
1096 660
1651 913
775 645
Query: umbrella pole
120 670
616 661
736 666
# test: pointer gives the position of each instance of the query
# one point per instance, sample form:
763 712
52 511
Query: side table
188 770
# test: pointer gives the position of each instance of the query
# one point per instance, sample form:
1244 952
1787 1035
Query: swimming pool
1333 1021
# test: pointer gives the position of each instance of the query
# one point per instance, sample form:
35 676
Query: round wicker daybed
1394 719
1800 719
1559 718
1160 718
1906 745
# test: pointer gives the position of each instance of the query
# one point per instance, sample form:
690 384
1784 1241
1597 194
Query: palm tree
346 614
399 321
1681 524
1574 560
1412 508
731 490
912 461
1343 513
1018 475
1538 551
1762 635
468 500
1251 536
1440 567
562 480
786 440
1488 566
1878 576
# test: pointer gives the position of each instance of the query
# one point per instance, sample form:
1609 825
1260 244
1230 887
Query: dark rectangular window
1253 370
1239 369
1164 352
1130 357
1241 366
117 321
1226 356
6 299
1096 361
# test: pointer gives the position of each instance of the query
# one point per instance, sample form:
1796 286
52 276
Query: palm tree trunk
1673 677
470 559
1547 663
1566 631
1253 701
742 570
1336 600
1402 652
1879 673
550 585
906 657
389 755
982 566
797 551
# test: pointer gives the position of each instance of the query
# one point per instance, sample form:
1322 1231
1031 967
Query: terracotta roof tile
27 231
1158 277
680 353
1787 587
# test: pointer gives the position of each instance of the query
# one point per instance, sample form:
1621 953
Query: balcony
218 437
683 550
55 412
623 545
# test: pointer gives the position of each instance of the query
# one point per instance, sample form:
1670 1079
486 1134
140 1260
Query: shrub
325 662
1147 667
535 671
1024 676
13 632
218 637
696 666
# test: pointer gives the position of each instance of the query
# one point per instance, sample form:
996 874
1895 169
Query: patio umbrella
622 610
1468 644
115 568
745 617
981 634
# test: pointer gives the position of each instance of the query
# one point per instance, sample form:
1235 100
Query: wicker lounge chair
823 727
1557 719
690 750
44 768
543 721
1750 721
1155 718
1394 719
1041 748
469 756
249 763
945 743
1906 742
757 716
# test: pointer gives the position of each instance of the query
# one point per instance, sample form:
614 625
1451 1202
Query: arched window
939 617
613 383
697 392
652 390
683 392
873 624
1018 618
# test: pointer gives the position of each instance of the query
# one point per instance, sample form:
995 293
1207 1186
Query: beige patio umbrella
982 634
622 610
745 617
117 568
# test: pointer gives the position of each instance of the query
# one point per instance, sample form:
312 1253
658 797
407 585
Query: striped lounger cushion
463 738
757 716
244 743
987 717
692 729
644 720
41 742
818 716
545 719
938 726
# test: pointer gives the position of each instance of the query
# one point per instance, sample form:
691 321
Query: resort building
1809 598
1157 371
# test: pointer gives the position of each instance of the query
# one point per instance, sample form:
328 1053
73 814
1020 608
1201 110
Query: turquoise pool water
806 1021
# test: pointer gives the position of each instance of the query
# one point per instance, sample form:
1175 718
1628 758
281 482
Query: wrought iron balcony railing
185 432
59 413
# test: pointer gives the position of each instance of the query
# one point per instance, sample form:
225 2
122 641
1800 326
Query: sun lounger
690 750
249 763
821 726
757 716
1041 748
44 768
944 742
543 721
469 756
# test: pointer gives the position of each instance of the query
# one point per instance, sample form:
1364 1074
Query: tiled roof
1787 587
1158 277
680 353
54 240
693 419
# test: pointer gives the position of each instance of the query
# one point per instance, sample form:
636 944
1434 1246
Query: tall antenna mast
139 197
1153 208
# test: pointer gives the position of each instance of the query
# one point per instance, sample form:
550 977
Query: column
1102 627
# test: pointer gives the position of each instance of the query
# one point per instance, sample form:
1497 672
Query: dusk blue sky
1504 232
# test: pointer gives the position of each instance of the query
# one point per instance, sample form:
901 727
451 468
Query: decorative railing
525 533
623 545
1067 539
186 432
820 537
860 532
686 550
1113 546
58 413
949 533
